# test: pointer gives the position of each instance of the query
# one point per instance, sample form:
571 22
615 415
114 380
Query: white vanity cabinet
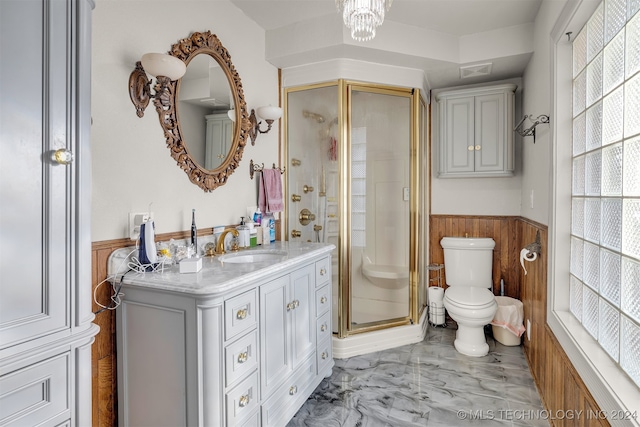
214 349
475 132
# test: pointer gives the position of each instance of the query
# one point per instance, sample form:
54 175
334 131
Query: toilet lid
469 296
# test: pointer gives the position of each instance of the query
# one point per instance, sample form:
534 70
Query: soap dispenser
243 234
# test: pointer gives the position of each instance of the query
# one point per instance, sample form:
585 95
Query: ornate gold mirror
203 113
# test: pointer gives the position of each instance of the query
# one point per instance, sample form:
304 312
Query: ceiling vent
475 70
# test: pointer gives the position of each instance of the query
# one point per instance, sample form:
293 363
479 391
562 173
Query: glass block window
605 231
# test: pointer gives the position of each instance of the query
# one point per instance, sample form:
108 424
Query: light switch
405 194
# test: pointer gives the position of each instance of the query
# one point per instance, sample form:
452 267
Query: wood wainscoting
560 386
502 229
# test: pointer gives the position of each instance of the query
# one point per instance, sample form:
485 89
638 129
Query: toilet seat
469 297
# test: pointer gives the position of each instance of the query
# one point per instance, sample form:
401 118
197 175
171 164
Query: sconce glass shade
269 113
161 64
232 115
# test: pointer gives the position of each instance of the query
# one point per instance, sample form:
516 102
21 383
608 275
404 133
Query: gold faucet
220 245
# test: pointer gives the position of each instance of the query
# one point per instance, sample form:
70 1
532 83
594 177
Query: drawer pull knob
293 305
324 355
243 357
244 400
293 390
323 328
323 300
323 271
242 314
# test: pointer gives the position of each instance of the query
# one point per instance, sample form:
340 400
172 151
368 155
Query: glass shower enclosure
353 156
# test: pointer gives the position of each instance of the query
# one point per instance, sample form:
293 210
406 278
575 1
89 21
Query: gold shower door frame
345 88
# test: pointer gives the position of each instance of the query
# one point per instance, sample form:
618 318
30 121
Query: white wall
132 167
537 98
476 196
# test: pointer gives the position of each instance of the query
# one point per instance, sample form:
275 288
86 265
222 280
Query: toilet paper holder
534 247
530 252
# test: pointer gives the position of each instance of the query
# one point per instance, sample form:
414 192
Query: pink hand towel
270 191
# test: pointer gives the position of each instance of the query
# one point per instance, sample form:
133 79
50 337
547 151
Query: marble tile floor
427 384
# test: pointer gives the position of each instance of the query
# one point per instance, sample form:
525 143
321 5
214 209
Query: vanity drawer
36 393
242 400
323 271
240 314
241 357
323 327
289 397
324 355
323 300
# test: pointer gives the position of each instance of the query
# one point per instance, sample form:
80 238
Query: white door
303 313
274 334
38 240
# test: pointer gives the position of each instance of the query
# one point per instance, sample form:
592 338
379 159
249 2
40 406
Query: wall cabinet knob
62 156
470 148
478 147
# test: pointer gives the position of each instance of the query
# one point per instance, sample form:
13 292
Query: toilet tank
468 261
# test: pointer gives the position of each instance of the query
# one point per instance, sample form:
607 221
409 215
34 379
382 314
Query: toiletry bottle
269 222
257 217
243 234
194 232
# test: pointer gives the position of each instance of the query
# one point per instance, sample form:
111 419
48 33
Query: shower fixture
314 116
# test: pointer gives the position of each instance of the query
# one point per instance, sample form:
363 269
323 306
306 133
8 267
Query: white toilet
468 264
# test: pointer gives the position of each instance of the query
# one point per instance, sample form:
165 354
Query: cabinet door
457 123
38 235
275 358
489 133
303 312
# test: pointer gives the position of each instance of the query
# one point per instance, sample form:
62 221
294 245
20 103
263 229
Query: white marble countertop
217 276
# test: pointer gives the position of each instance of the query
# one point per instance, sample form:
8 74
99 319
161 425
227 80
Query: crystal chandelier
363 16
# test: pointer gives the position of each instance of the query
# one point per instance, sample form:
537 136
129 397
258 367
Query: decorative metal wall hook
531 130
254 167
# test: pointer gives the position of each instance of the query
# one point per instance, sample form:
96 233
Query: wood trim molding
559 384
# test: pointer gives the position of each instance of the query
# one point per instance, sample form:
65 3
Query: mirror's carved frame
186 49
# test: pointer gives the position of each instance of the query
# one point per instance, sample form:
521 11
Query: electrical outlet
405 194
135 220
531 197
528 330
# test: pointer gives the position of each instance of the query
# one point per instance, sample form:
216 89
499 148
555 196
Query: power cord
115 298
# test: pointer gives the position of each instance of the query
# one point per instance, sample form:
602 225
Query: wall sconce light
531 130
269 114
165 68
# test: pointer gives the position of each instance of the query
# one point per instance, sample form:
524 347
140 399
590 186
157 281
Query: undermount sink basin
253 257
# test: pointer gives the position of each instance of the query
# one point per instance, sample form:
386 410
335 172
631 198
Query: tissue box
191 265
